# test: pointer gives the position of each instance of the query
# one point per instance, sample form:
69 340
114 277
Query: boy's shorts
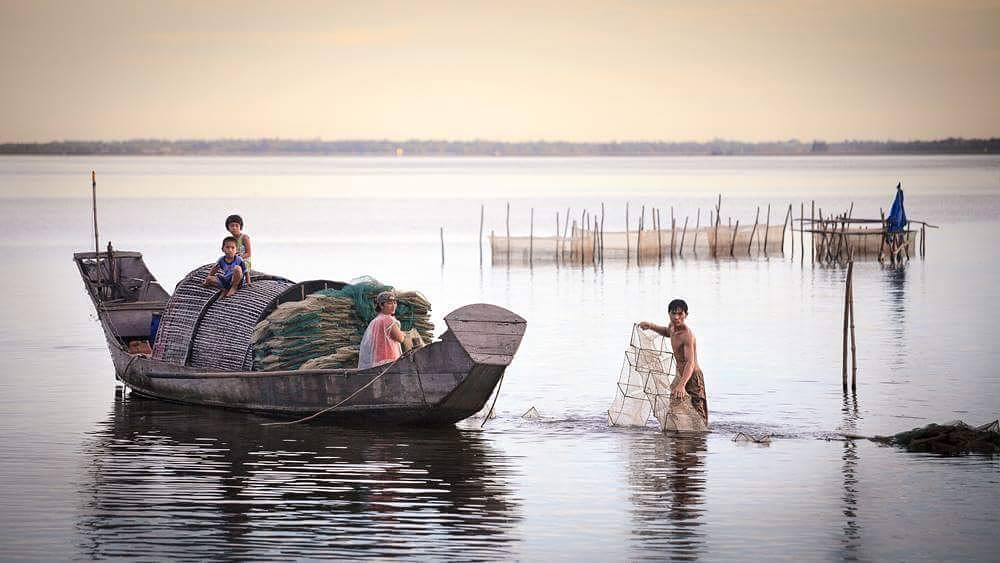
226 281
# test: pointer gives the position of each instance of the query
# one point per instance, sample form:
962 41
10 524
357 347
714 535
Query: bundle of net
324 330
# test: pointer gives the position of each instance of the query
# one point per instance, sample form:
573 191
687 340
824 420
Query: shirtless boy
690 380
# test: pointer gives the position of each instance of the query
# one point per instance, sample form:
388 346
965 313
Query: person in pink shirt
381 342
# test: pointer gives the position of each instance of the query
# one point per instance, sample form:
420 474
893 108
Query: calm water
90 473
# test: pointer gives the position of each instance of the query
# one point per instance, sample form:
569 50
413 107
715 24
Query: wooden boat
439 384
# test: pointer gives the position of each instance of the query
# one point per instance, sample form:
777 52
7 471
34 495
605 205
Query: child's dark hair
234 219
677 305
231 239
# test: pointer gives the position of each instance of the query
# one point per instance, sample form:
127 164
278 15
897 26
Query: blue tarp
897 215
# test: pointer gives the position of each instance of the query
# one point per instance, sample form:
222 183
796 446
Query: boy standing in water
690 380
227 273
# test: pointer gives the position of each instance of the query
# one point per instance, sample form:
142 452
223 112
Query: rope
351 396
495 397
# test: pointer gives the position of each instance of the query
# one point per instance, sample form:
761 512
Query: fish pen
584 241
842 238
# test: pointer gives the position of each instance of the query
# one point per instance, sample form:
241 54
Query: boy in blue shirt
227 273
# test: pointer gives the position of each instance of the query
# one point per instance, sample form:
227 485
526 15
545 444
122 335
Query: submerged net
323 331
644 381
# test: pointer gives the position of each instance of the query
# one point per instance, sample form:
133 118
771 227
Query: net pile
324 330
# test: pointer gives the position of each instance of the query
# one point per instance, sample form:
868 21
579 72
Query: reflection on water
169 480
849 466
667 478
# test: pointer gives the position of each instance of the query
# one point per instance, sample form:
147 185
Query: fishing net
324 330
644 380
582 245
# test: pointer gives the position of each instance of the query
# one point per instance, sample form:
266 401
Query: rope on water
495 397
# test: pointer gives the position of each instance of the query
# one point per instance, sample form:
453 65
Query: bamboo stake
812 230
732 243
583 236
718 219
493 254
97 245
572 244
784 225
565 232
854 348
683 235
508 234
482 218
557 240
802 232
847 312
602 233
442 246
638 237
627 243
754 231
767 229
593 243
531 240
659 238
697 225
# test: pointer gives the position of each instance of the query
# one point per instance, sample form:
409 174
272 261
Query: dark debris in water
948 439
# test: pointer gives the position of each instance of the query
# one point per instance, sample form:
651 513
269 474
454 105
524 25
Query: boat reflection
667 478
169 480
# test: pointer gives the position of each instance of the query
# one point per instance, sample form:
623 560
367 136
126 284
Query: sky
504 70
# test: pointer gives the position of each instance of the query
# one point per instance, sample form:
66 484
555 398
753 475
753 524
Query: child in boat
690 380
234 224
227 273
381 342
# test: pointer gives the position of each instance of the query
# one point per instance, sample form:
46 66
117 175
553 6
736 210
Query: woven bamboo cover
221 340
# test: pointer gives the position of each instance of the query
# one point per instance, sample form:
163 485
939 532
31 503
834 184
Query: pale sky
503 70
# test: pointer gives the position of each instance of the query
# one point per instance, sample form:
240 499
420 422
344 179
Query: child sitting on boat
228 272
234 224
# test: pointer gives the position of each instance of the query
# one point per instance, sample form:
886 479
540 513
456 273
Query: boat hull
439 384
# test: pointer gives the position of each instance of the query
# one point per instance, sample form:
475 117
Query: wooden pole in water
508 233
788 216
442 246
684 235
593 244
673 232
493 254
583 236
767 228
812 230
718 219
557 240
754 231
847 314
854 348
482 219
565 231
627 243
802 233
97 245
732 243
531 240
697 225
572 245
659 237
602 233
638 237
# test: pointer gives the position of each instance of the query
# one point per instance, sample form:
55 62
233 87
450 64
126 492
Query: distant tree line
384 147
